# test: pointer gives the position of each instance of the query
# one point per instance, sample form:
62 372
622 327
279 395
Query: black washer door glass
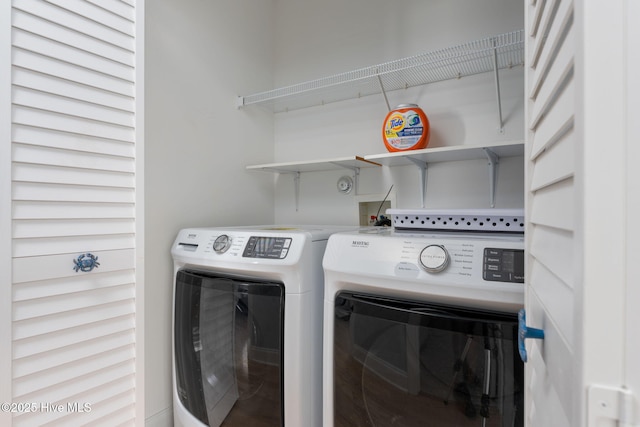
228 349
406 363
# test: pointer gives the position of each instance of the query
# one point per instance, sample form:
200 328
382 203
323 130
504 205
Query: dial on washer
222 243
434 258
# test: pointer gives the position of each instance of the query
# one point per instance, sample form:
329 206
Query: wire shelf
467 59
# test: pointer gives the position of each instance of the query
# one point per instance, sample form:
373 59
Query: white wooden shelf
420 158
449 154
353 163
475 57
350 162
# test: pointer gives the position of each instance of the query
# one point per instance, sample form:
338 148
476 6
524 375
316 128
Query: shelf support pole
422 166
296 185
497 79
493 171
384 92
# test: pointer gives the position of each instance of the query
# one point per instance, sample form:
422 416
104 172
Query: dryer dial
434 258
222 243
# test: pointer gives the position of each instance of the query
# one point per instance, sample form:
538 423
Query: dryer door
228 349
410 363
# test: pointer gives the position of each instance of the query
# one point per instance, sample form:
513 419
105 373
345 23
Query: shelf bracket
493 171
497 79
296 185
423 166
239 102
384 92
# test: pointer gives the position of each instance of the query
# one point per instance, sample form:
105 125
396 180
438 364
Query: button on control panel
503 265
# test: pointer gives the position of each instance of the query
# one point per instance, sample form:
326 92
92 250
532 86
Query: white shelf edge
350 162
420 158
449 154
427 155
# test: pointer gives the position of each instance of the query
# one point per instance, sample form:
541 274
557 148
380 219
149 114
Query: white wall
199 57
317 39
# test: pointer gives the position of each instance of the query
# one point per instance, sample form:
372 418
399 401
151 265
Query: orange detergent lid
406 128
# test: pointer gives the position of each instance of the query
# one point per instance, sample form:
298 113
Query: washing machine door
408 363
228 349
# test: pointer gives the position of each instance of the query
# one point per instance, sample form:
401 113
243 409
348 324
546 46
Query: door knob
85 262
525 332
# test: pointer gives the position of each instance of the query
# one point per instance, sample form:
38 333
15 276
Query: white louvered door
551 202
575 205
75 123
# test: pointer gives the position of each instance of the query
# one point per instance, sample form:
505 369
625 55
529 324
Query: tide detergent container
406 128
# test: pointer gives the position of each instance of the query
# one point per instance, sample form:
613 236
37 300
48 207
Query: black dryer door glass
406 363
228 349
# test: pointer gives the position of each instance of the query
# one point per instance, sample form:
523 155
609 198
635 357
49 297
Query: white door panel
632 355
551 210
555 163
75 121
578 192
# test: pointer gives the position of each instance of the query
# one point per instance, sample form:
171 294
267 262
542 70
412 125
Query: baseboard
163 418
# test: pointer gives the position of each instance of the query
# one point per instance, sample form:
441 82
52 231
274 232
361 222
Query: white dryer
421 321
247 327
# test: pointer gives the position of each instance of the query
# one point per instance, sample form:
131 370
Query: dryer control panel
223 245
267 247
503 265
484 270
463 258
250 246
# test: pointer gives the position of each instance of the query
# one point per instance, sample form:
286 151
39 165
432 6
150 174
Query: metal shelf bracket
296 184
423 166
384 92
497 79
493 171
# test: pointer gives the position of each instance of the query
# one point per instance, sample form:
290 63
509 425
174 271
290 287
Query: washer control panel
267 247
503 265
238 245
469 269
464 258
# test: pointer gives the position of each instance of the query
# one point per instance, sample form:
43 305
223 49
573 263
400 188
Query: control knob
222 243
434 258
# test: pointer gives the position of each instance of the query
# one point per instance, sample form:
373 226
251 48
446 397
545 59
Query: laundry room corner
315 40
198 59
200 56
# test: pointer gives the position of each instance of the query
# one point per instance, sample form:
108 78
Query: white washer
247 325
395 303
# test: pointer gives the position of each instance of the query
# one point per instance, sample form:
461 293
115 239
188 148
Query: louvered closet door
552 200
73 193
576 204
